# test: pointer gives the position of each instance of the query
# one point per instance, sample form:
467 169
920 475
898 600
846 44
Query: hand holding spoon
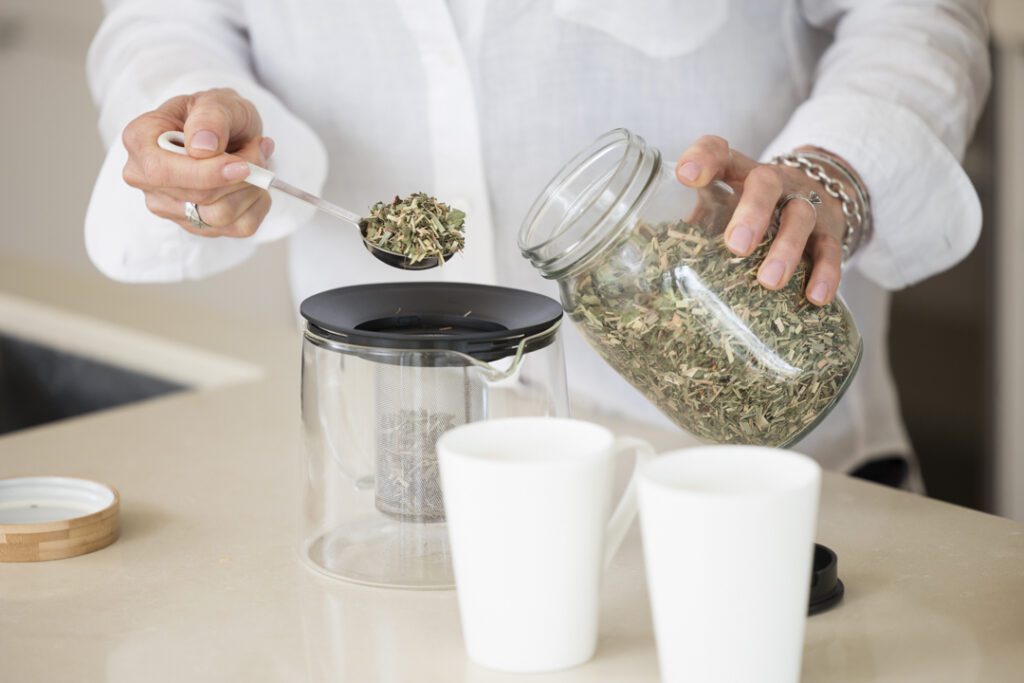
174 141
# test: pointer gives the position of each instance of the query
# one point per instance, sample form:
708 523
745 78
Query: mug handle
626 510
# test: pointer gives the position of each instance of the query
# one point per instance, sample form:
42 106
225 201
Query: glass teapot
645 274
387 369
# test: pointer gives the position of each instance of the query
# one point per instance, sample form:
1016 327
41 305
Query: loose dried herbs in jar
645 275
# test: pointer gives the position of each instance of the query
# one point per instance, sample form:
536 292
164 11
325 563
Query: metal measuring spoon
174 141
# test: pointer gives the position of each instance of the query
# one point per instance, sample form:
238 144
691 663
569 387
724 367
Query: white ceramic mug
728 535
527 502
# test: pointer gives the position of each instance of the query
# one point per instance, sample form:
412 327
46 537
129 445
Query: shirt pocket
658 28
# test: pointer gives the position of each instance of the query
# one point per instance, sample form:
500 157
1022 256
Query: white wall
50 153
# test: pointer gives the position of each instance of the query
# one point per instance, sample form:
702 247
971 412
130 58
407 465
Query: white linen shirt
481 102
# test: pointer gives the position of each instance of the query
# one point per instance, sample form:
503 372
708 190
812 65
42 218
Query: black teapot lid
481 321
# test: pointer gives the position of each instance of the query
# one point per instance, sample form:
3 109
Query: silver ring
812 198
194 219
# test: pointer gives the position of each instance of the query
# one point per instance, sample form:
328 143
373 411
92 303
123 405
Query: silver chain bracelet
856 211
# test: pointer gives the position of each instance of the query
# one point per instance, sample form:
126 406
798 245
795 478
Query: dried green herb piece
686 322
416 227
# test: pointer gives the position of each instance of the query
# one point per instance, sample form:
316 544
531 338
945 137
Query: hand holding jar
822 231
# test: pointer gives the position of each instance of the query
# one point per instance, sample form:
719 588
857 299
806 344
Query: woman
479 103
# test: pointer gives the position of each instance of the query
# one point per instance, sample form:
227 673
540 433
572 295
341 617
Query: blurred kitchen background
956 339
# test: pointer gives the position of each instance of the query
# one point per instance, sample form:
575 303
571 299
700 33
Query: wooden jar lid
50 518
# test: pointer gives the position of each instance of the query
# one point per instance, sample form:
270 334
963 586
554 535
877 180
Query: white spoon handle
174 141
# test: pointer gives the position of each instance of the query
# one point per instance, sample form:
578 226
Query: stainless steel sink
56 364
39 384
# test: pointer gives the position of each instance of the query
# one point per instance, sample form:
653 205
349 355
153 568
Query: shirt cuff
926 213
128 243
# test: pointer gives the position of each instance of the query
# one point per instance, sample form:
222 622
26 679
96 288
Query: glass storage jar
387 369
644 273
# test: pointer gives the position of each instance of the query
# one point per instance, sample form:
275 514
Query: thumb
219 121
710 158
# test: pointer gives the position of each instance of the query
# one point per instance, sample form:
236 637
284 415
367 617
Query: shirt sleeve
146 52
897 94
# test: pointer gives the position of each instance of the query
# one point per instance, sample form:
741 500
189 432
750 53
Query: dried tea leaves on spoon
417 227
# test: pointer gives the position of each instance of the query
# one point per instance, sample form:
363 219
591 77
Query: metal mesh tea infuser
407 481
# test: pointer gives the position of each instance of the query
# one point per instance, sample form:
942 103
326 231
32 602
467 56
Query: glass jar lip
628 178
570 168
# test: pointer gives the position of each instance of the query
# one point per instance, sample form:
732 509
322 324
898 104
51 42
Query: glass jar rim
589 203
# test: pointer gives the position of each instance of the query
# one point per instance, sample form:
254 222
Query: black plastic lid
826 588
479 320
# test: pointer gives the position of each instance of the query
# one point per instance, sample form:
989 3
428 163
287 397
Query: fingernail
236 171
204 139
771 273
740 239
818 293
689 171
267 147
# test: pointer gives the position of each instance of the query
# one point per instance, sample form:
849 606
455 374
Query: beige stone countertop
205 583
